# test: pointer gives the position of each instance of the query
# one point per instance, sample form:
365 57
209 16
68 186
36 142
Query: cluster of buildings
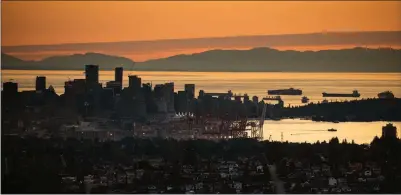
89 97
244 175
120 108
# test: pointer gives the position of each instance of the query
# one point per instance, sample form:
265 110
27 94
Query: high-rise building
201 93
246 98
92 74
190 90
158 90
134 82
77 86
182 101
255 99
118 75
115 85
238 98
169 96
40 83
10 88
389 131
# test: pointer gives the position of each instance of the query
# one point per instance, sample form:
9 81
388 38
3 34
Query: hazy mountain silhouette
11 62
70 62
266 59
145 50
253 60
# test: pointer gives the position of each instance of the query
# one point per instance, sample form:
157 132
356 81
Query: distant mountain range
253 60
70 62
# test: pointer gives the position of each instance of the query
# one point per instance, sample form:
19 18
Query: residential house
259 169
332 181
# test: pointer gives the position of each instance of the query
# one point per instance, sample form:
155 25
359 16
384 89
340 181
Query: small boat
325 101
305 99
336 121
332 130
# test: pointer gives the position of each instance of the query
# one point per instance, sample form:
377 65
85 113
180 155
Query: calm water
312 84
295 130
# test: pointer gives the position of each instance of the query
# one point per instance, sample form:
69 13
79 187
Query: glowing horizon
61 22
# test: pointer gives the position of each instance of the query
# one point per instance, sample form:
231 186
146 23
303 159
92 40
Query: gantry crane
237 128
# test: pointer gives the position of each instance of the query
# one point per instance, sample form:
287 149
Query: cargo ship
386 95
290 91
354 93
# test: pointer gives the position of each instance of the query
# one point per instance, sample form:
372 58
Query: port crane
226 127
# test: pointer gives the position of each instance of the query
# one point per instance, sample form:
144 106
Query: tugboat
354 93
305 99
386 95
332 130
290 91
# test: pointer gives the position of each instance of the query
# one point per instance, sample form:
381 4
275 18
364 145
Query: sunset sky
58 22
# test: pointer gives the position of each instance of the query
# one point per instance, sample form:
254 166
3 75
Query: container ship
355 93
290 91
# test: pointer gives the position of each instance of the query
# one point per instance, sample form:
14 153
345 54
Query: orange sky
54 22
50 22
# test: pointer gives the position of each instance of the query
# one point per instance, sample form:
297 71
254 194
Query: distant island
261 59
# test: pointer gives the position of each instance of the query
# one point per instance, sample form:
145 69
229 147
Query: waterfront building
169 96
166 92
201 94
182 102
134 82
389 131
92 74
118 75
77 86
238 98
246 98
158 91
40 83
255 99
10 88
115 85
190 90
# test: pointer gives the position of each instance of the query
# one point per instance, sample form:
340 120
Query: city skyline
201 97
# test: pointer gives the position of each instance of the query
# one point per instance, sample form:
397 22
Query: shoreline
332 121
